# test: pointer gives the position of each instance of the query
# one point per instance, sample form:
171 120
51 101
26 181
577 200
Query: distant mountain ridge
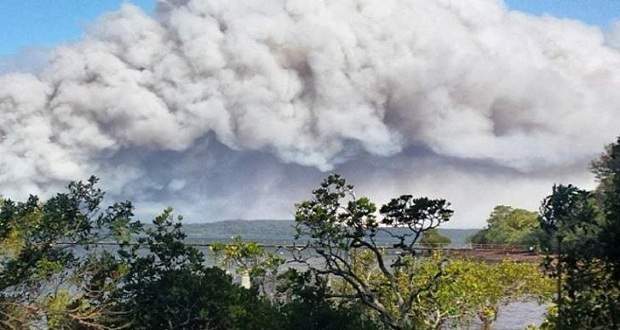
277 232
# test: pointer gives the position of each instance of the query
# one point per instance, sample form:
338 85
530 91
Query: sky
233 109
46 23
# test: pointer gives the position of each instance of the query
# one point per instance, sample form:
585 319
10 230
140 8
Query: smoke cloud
230 108
613 35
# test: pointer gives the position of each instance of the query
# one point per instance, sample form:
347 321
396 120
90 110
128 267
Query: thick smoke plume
233 108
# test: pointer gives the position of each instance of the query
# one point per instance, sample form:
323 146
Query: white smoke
319 84
31 59
613 35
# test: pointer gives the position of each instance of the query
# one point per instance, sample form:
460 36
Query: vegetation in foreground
583 230
53 275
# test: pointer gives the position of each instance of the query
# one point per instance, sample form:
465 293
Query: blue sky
45 23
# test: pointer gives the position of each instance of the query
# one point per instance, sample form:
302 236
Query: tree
50 273
508 225
586 293
251 259
432 238
56 274
463 291
70 263
585 227
168 286
607 170
469 289
303 297
336 225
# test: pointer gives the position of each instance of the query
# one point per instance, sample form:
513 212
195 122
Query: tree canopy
585 230
54 271
432 238
508 225
337 225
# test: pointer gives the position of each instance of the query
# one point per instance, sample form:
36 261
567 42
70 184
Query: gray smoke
231 108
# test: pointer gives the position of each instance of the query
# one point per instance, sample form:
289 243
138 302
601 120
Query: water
281 232
518 315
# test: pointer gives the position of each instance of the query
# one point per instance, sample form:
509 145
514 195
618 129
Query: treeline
54 275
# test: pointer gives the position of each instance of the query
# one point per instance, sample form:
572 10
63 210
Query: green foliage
52 271
305 300
39 259
251 259
55 274
469 289
432 238
569 216
449 293
167 286
336 225
585 228
608 174
512 226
